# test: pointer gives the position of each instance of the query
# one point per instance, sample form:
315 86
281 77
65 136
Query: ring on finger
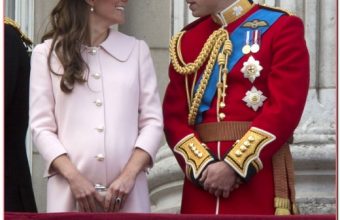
118 200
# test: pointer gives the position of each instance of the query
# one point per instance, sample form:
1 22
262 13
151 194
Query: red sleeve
175 111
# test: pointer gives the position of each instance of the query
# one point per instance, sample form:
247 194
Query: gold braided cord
193 87
227 49
202 86
178 49
180 57
187 90
175 52
224 36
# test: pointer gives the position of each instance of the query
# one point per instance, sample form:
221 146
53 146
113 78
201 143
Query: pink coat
100 123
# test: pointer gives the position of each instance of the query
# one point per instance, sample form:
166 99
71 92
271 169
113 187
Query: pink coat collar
119 45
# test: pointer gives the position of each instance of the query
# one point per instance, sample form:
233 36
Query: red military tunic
283 80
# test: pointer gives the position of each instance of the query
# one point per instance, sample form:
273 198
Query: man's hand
220 179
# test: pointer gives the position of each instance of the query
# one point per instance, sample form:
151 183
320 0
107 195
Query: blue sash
262 14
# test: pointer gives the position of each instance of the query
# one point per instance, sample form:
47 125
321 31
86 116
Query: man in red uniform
239 79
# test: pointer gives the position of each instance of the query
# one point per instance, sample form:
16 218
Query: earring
91 9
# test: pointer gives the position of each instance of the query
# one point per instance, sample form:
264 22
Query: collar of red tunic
232 12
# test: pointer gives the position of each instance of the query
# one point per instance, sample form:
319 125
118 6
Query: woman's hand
84 193
118 192
121 187
82 189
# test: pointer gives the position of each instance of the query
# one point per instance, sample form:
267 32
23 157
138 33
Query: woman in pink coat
95 112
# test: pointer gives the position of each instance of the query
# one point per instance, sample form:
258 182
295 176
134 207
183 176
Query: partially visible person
239 78
95 111
19 196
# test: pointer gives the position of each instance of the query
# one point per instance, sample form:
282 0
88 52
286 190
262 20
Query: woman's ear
89 2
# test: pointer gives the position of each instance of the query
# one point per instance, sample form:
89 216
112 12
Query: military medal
255 47
251 69
254 98
246 48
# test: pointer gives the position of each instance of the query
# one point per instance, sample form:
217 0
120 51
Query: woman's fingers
86 204
92 203
118 203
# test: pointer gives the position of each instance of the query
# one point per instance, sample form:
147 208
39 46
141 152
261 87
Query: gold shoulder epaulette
277 9
15 25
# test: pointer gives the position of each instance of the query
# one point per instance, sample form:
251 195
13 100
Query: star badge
254 98
251 69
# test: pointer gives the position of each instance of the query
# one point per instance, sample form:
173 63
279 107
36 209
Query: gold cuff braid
247 150
195 154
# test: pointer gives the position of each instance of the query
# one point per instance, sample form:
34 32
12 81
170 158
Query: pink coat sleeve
150 123
42 105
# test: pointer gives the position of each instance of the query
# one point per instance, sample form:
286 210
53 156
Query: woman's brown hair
69 29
